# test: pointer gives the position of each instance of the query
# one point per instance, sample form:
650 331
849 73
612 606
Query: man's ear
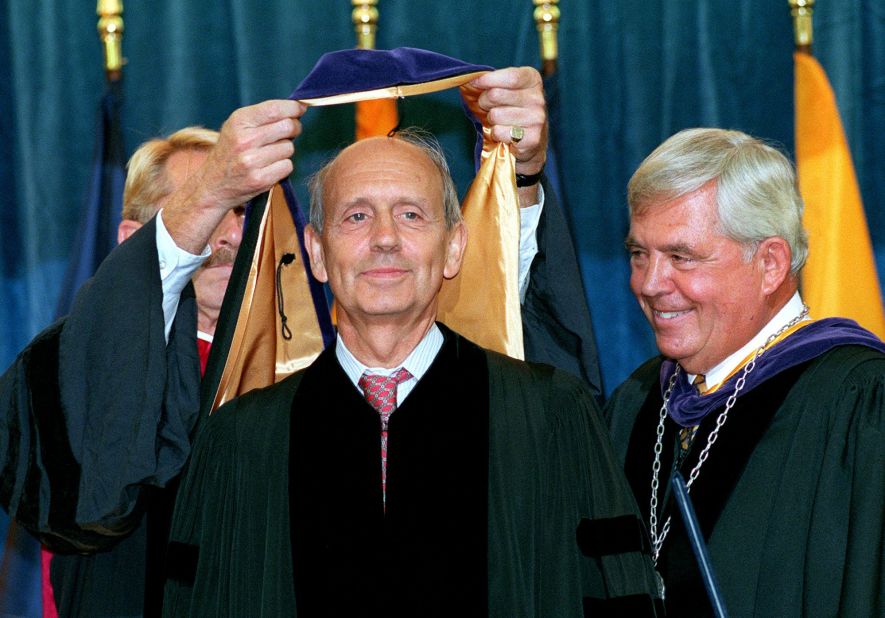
314 248
455 247
126 229
775 256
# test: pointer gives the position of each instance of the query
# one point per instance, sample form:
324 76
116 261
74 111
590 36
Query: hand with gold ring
517 114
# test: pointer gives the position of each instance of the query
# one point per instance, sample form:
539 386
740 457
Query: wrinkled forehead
693 216
382 165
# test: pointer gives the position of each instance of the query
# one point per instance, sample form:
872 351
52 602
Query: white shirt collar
720 372
417 362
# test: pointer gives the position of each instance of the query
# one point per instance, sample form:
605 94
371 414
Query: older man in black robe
775 420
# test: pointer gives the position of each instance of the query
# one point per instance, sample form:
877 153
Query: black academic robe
493 467
96 414
98 410
791 500
556 324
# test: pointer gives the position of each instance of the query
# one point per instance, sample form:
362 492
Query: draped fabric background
631 73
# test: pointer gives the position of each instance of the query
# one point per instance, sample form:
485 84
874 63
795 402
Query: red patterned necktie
380 392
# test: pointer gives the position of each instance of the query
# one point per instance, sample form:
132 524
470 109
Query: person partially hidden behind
51 376
406 471
776 420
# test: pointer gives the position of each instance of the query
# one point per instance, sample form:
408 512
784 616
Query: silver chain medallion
657 540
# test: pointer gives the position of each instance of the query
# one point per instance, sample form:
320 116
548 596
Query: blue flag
21 585
97 235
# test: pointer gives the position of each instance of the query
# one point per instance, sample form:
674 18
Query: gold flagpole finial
365 22
110 30
547 21
803 28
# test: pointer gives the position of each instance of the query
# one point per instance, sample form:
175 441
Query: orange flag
839 278
375 117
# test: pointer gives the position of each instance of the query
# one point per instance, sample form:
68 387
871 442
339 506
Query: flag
97 234
20 571
839 278
24 569
375 117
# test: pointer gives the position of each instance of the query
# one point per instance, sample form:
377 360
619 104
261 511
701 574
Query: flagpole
547 22
381 116
365 22
803 28
110 30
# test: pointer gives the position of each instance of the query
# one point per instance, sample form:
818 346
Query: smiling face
703 299
384 247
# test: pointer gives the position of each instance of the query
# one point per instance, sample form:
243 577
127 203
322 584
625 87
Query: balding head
424 144
385 231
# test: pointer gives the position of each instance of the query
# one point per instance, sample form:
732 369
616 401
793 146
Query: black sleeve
557 329
99 405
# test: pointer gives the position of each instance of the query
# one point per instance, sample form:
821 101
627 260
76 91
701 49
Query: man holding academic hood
55 437
407 471
774 419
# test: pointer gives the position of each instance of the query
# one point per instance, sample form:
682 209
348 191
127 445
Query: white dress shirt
177 266
529 218
416 363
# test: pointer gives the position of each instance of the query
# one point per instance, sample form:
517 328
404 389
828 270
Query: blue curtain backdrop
631 73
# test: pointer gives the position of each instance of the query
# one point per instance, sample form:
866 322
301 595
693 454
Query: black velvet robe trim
738 438
433 535
47 457
62 470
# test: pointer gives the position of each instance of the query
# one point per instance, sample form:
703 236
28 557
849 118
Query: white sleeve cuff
529 217
177 266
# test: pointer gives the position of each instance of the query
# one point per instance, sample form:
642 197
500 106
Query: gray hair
756 192
424 141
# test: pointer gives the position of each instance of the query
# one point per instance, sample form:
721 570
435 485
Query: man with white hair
775 420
